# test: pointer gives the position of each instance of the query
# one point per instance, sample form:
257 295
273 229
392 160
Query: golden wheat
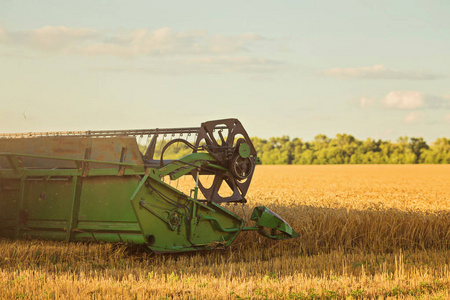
366 232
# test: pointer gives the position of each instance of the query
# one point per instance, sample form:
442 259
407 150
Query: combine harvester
98 186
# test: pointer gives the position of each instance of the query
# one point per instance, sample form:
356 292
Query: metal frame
104 133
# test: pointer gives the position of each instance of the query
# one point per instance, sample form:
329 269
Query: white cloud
127 43
57 38
447 118
228 44
144 42
404 99
228 64
48 38
379 72
408 100
186 52
227 60
209 64
366 102
413 100
414 117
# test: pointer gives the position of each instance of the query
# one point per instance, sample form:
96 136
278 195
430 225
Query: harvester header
109 186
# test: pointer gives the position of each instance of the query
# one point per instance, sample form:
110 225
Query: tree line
346 149
343 149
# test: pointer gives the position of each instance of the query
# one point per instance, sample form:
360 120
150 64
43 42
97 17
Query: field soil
366 232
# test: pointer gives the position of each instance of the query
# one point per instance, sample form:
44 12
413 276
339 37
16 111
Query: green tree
418 146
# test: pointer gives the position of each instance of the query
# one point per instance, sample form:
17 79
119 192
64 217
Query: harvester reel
234 152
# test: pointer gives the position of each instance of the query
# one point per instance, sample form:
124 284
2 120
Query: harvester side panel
10 195
95 208
117 149
171 221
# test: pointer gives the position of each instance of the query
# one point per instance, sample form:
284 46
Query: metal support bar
14 162
221 228
20 212
85 164
104 133
123 154
72 223
8 154
149 153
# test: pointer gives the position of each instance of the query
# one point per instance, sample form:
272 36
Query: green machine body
100 186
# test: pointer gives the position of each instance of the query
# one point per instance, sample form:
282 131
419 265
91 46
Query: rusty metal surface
115 149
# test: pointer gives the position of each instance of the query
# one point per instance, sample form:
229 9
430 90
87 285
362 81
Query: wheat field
367 232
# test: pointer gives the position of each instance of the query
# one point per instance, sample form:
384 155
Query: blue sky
299 68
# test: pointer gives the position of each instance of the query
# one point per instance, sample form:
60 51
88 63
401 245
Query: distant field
367 231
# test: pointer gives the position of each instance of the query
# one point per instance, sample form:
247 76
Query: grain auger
99 186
